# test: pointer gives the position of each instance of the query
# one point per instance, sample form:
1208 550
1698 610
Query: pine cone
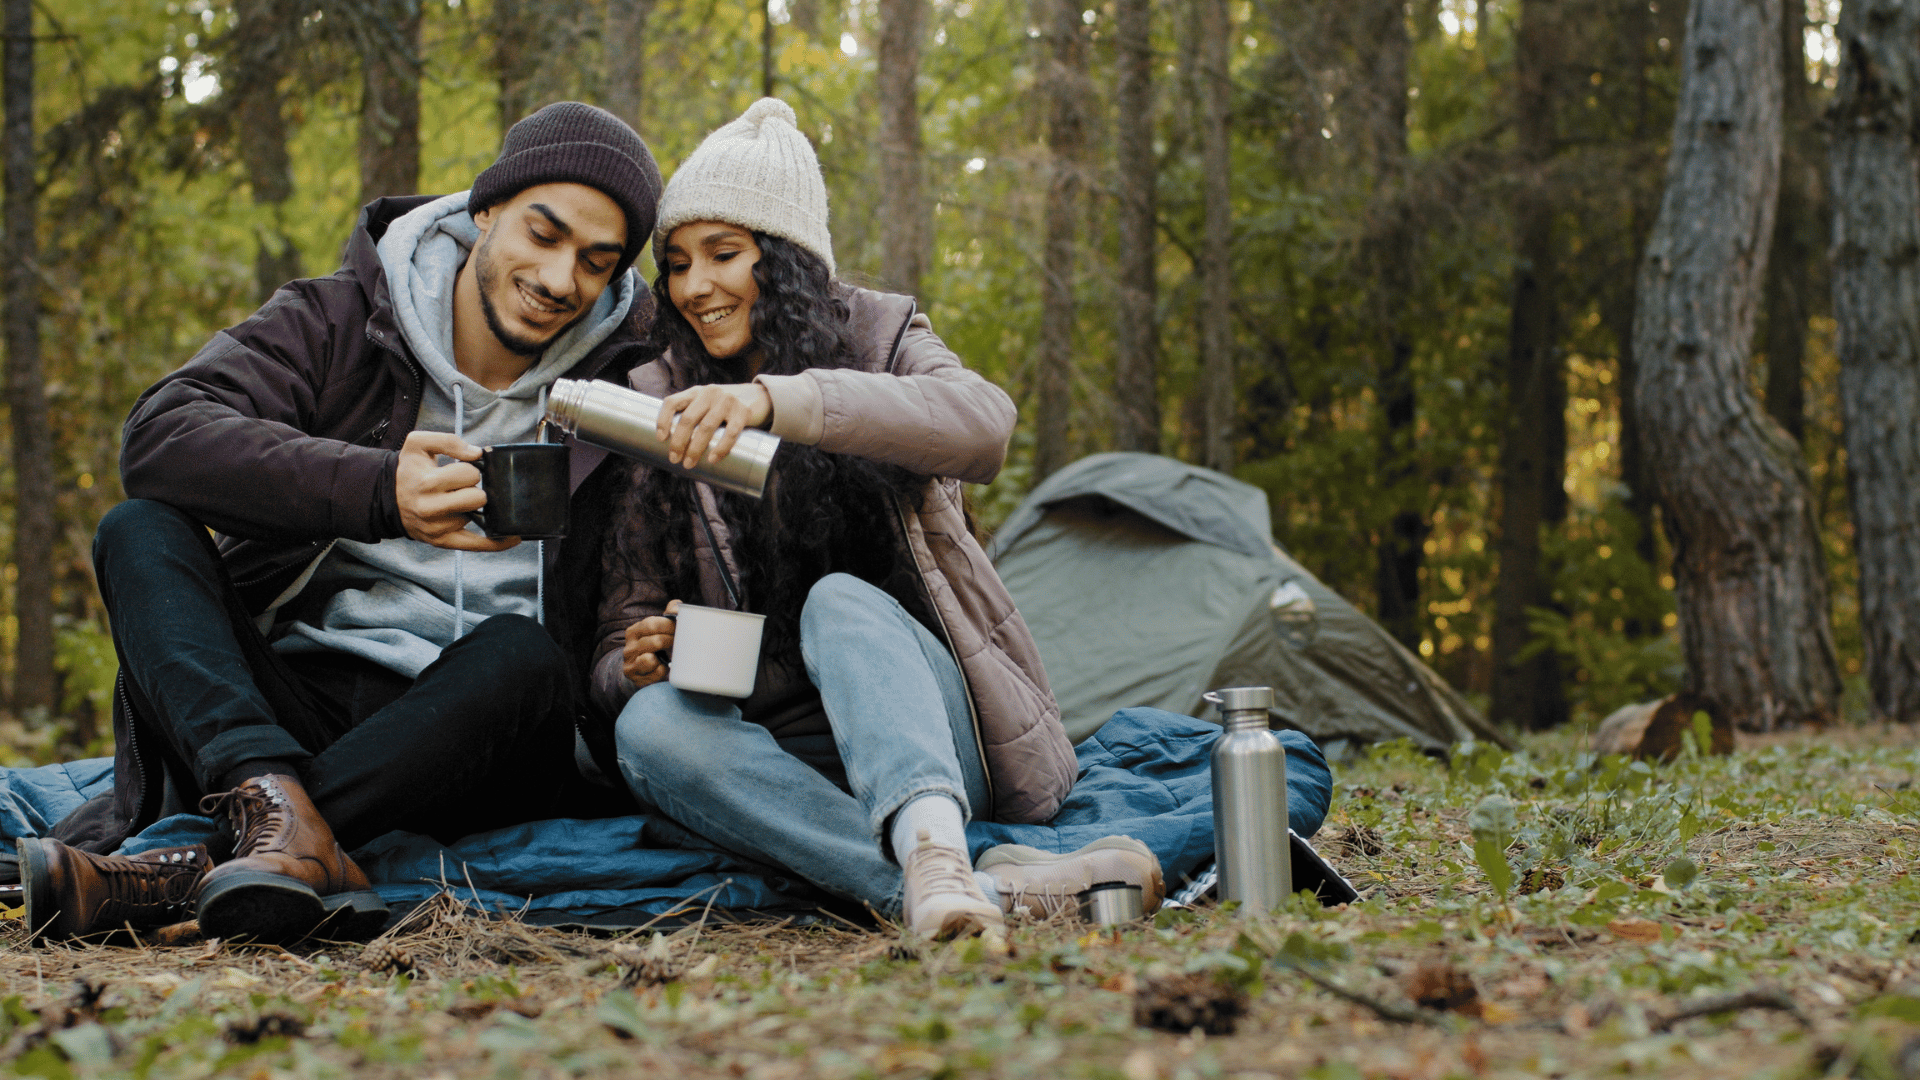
1181 1003
652 965
384 955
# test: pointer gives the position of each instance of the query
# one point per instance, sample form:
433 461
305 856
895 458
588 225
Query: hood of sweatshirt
422 254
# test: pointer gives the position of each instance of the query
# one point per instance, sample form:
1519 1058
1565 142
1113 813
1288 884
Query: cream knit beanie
757 172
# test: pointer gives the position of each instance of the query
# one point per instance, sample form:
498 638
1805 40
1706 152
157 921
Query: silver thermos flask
1250 802
622 420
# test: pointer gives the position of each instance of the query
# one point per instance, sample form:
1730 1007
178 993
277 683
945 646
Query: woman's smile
709 267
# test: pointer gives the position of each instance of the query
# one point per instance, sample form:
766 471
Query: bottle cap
1242 698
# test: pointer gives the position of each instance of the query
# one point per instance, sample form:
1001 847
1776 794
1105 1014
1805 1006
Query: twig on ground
1764 998
1399 1014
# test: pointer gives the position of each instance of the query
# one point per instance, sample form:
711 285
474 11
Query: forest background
1377 257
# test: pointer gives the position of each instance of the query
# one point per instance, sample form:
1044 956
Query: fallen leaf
1495 1013
1638 931
1436 984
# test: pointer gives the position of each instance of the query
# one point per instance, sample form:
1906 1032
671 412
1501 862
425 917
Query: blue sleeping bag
1144 774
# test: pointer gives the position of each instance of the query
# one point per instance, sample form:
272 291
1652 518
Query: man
346 656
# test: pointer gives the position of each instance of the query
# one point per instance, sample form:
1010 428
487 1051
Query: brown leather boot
70 893
288 877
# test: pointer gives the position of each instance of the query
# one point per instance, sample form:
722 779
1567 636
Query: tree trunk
1641 29
903 212
515 53
1390 256
1791 263
1214 23
1136 392
766 48
1066 67
1876 302
1529 692
626 55
261 134
26 384
390 103
1752 582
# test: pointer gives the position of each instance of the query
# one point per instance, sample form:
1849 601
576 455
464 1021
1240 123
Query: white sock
938 816
989 889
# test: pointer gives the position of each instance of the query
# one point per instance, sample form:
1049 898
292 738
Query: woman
892 655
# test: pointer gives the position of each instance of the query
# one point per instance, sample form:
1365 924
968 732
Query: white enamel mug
715 651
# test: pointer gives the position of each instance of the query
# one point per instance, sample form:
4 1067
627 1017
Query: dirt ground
1784 952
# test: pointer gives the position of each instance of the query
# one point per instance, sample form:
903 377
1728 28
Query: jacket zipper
133 747
973 714
906 535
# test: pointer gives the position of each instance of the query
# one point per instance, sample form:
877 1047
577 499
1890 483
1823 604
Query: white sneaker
1045 883
942 898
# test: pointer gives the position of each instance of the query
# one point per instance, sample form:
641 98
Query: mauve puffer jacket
910 403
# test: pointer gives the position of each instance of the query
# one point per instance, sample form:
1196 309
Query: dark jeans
482 739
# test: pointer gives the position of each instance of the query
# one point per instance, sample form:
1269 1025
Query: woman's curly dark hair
823 512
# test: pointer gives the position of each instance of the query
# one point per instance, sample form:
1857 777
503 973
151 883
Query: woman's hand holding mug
646 639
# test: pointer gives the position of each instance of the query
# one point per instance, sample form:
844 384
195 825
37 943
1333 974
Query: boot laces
165 883
250 811
941 869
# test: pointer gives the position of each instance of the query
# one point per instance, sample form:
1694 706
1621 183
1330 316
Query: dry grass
1798 924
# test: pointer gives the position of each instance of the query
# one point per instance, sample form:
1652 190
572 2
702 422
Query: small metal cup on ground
1109 903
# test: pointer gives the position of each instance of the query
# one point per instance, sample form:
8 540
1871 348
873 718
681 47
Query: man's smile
540 309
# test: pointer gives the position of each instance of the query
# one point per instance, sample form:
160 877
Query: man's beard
485 277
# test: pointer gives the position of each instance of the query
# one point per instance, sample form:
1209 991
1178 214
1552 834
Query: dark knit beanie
573 142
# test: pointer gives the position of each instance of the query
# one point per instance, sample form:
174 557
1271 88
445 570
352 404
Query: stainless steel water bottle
1250 802
622 420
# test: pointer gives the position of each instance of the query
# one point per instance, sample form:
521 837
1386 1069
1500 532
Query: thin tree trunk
766 48
514 31
1529 692
390 103
1752 581
1792 260
261 134
1876 302
1641 29
1066 67
1136 393
626 53
1390 257
1214 23
903 212
33 676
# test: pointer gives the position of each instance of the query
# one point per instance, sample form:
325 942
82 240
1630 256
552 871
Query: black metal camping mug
526 486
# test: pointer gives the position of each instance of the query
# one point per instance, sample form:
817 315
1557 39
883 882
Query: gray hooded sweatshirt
397 602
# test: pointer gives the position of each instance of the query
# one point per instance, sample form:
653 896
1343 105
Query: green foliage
1492 825
83 654
150 232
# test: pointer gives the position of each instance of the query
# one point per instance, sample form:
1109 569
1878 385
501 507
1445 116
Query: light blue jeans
818 805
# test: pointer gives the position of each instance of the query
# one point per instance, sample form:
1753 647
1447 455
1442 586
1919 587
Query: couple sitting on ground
344 656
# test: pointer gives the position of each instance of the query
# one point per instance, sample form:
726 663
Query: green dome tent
1149 582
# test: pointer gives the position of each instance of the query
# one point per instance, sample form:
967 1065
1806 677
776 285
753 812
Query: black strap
719 560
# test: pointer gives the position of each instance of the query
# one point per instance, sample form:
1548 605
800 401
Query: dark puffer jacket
282 434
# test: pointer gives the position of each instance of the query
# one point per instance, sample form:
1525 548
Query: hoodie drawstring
540 546
459 557
459 577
